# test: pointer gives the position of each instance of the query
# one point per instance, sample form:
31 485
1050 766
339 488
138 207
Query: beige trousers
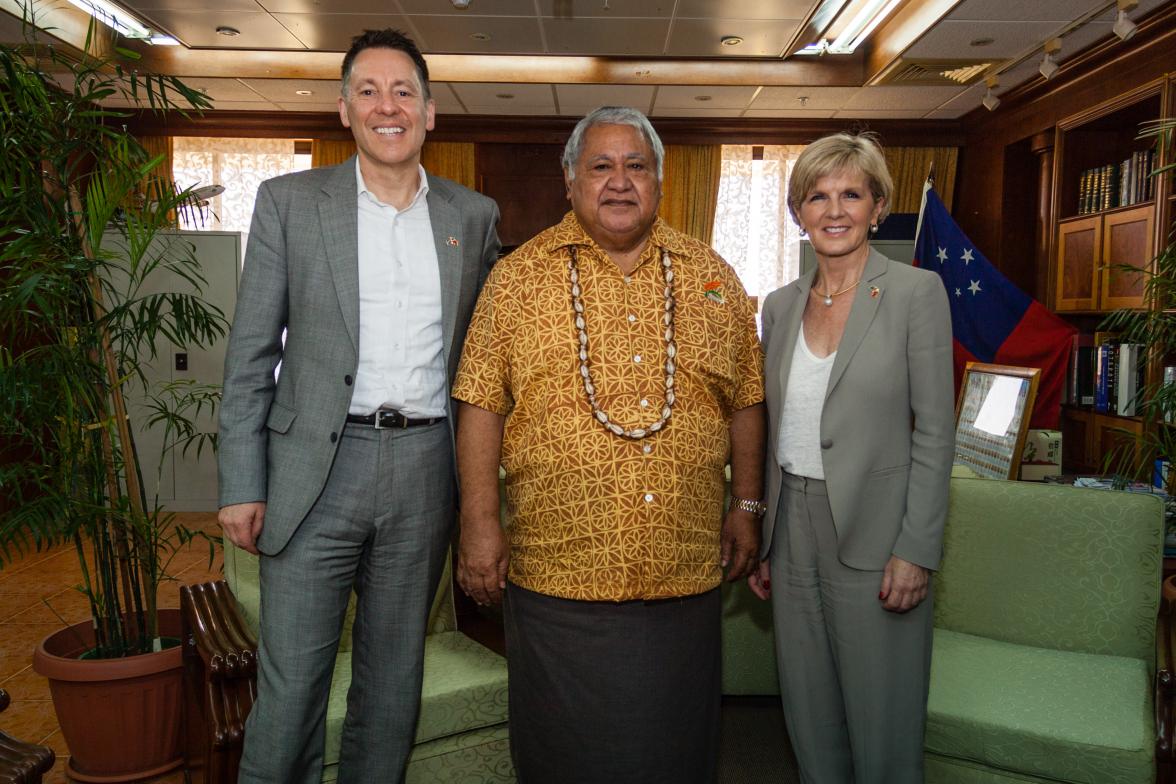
853 677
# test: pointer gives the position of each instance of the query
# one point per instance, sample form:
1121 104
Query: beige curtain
240 165
451 160
909 166
690 188
752 229
328 152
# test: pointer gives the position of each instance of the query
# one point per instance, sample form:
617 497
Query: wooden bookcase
1085 285
1088 245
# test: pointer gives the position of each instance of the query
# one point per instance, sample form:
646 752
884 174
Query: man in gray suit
340 472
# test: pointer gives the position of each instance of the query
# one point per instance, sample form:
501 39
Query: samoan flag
991 319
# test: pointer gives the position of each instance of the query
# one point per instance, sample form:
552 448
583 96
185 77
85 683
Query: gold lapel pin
452 241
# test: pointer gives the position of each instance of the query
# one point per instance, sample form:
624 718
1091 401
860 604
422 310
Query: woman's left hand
904 585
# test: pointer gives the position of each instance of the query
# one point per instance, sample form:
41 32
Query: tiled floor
37 598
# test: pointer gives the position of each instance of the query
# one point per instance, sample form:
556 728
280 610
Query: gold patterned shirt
594 516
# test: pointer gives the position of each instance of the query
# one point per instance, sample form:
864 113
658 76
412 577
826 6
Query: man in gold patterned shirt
612 366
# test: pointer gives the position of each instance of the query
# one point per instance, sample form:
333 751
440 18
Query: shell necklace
586 374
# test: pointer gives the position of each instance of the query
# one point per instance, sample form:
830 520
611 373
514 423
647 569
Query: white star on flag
942 254
967 256
975 287
959 293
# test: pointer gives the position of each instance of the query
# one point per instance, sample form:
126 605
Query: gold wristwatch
757 508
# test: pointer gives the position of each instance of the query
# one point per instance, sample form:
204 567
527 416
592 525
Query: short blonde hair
841 152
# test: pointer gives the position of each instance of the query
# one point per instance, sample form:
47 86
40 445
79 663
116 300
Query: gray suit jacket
277 440
888 425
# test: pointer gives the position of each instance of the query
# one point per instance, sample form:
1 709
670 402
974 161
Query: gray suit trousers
853 676
380 526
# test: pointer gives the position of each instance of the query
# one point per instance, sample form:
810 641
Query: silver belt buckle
376 423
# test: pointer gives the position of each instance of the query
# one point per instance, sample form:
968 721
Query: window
240 165
753 229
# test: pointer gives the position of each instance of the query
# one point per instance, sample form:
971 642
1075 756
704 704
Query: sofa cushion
1065 716
464 689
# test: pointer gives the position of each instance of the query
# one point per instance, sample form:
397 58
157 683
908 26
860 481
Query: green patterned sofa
1044 662
462 733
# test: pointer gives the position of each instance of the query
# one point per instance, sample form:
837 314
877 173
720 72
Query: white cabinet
185 481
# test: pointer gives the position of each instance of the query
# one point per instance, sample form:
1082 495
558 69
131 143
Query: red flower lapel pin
874 292
713 290
452 242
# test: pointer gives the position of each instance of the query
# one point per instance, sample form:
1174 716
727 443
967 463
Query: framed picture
992 418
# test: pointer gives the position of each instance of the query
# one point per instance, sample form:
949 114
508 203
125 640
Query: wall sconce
989 100
1048 65
1124 27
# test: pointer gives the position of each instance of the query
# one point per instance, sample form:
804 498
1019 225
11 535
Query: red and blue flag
991 319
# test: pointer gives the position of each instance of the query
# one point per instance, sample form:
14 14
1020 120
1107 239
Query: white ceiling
623 28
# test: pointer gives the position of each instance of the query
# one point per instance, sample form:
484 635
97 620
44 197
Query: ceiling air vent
935 72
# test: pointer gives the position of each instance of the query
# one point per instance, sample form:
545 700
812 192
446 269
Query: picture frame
992 418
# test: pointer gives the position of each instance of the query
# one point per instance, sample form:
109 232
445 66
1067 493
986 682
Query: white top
798 447
401 356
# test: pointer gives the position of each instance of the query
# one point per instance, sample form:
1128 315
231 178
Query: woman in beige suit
861 422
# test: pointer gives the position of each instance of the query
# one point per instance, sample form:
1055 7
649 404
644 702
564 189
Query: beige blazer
888 424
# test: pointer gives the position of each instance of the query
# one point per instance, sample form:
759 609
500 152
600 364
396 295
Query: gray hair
611 115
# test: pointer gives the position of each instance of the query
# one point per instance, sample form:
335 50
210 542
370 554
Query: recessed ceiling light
480 36
981 42
504 96
730 40
229 32
304 92
702 97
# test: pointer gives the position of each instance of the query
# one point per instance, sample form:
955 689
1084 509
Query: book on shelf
1082 371
1102 358
1129 379
1107 374
1169 380
1117 184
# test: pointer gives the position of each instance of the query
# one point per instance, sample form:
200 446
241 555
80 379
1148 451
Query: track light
1124 27
1048 65
461 4
989 100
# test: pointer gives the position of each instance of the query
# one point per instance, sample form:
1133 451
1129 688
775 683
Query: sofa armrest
216 631
220 681
1165 693
20 762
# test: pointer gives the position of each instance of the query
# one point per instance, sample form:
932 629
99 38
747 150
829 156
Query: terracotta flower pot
119 717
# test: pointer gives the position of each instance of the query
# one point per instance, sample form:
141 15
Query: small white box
1042 455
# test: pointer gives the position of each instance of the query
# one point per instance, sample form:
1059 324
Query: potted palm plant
1154 327
83 226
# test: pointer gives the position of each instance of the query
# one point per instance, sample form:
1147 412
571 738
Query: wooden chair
22 763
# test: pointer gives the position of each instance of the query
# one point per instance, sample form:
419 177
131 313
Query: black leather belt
384 420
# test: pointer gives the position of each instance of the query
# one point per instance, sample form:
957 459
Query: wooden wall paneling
551 130
1019 202
527 182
